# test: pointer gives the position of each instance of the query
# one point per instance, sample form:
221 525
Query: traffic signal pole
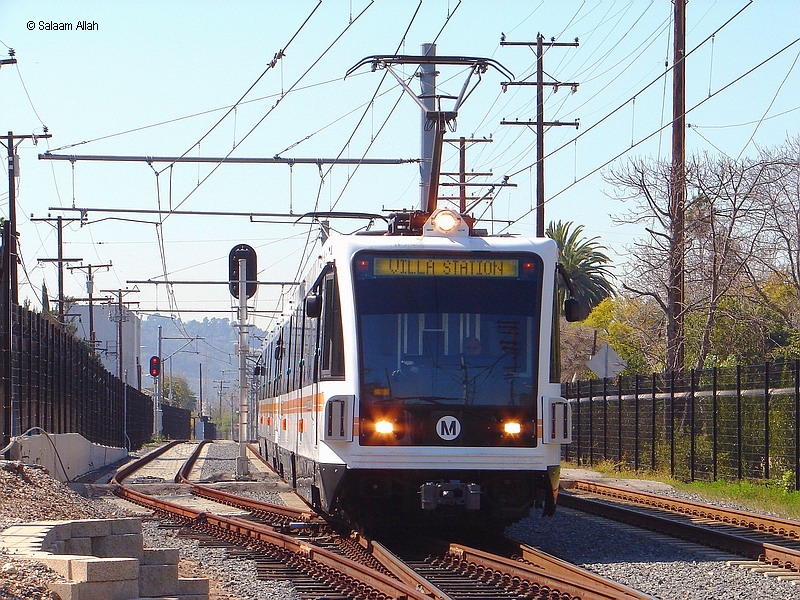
241 463
157 389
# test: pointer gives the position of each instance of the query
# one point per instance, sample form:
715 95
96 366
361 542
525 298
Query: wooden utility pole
462 174
121 316
12 141
540 122
90 293
9 295
60 260
677 199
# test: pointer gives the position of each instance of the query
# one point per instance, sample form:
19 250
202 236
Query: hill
199 351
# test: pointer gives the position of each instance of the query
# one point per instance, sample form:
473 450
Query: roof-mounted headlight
446 223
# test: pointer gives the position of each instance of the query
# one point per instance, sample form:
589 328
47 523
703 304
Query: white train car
418 376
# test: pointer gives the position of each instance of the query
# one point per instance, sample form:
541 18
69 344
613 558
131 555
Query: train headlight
384 427
446 222
512 427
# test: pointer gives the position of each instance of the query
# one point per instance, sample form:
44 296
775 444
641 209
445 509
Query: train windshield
451 329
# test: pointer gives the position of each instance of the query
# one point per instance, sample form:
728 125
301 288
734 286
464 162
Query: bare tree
651 270
778 255
722 223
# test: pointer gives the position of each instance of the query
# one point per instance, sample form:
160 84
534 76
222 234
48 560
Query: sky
263 79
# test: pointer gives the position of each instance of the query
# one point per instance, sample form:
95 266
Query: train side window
297 349
332 347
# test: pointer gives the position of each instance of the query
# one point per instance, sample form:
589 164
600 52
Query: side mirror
575 310
314 306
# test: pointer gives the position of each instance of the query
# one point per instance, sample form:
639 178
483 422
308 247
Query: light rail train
418 376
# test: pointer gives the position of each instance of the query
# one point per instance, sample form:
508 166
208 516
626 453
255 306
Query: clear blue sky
155 78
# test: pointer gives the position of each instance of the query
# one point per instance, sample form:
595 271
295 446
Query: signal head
155 366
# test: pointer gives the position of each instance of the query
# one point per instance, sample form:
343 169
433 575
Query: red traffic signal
155 366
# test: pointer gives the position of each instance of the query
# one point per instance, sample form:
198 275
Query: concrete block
100 590
76 545
192 586
56 532
104 569
161 556
129 525
158 580
127 545
59 547
90 528
61 563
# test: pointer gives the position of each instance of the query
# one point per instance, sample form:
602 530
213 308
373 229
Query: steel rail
400 569
125 471
758 550
557 567
256 506
551 571
783 527
375 567
247 533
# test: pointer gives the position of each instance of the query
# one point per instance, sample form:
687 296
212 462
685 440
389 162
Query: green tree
177 393
631 325
585 263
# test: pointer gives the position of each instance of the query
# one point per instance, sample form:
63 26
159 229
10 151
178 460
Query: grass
774 497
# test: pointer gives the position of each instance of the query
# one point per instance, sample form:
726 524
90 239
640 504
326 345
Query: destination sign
415 266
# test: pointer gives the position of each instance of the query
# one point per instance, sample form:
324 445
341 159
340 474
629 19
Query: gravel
654 564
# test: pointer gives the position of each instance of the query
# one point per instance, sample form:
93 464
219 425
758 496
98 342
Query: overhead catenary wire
277 102
586 131
689 110
278 56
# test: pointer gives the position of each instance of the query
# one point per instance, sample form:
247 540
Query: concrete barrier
64 455
117 568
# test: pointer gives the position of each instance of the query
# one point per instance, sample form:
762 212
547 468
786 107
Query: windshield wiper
430 399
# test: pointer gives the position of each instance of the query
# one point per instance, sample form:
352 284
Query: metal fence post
619 421
739 421
796 376
714 424
692 431
636 423
766 420
605 418
672 423
653 423
591 423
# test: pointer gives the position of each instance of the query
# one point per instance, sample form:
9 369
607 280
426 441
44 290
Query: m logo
448 428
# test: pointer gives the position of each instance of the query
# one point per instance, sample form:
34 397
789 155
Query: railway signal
247 253
155 366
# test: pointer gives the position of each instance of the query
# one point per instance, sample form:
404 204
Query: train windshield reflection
435 338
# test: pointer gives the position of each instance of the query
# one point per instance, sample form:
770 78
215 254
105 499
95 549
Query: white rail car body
374 402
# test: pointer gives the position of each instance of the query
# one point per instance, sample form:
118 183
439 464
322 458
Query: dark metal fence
176 423
727 423
52 380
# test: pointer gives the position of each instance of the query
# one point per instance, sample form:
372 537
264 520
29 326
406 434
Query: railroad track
321 559
770 540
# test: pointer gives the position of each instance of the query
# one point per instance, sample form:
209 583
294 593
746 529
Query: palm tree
584 262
